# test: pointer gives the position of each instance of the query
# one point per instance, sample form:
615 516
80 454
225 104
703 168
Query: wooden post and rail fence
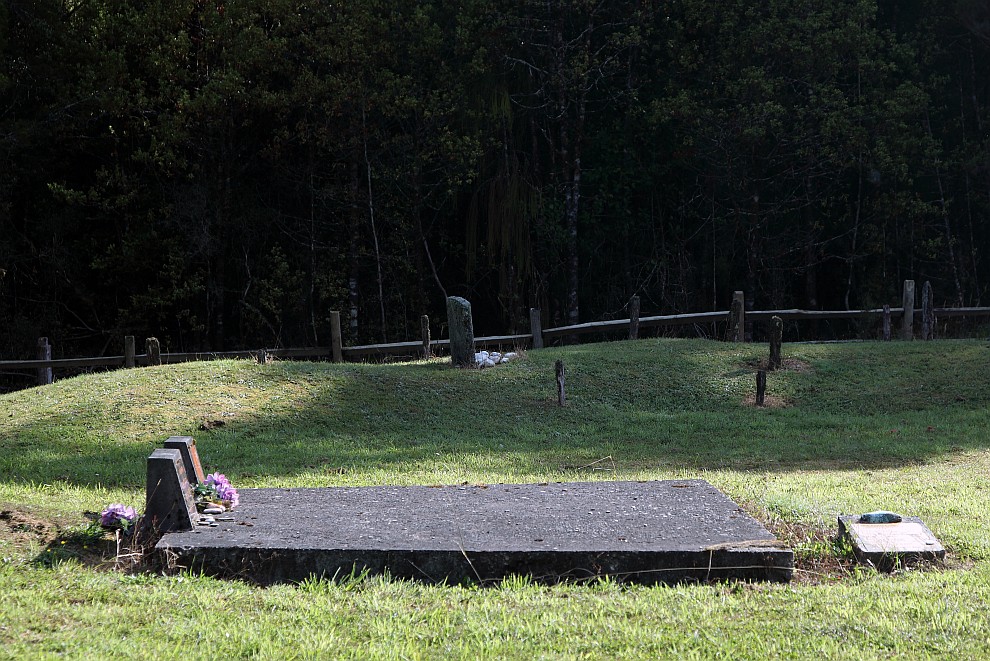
735 319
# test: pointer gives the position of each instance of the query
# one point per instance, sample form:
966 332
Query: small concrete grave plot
887 546
645 532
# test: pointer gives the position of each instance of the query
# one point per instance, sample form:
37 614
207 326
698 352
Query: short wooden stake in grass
634 318
927 312
536 327
776 334
44 353
559 369
154 351
262 356
424 326
336 342
129 351
907 323
886 323
761 387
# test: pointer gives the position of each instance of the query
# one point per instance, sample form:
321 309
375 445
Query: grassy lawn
853 427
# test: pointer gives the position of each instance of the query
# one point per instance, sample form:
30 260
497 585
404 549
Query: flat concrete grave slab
648 532
886 545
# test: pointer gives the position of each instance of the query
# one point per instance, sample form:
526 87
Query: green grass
899 426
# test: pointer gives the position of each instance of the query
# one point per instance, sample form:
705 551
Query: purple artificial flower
228 495
217 480
118 515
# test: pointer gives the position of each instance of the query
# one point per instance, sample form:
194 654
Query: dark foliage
222 175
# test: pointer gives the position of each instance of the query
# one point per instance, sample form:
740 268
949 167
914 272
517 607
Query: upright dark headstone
776 335
461 331
634 318
44 353
536 327
907 324
927 312
169 504
154 351
424 327
190 457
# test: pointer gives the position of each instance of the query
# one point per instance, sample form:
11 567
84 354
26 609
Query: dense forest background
223 174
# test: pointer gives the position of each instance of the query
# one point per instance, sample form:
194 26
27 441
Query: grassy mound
853 427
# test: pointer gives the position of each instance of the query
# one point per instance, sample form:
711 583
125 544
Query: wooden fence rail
337 352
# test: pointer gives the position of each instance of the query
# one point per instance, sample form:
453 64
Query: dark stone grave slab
889 545
646 532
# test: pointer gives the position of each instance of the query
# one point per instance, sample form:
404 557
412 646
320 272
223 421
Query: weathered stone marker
461 331
153 350
889 545
169 503
190 457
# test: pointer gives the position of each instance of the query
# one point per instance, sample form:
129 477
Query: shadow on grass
647 405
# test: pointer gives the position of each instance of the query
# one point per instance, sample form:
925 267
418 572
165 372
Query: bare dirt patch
786 364
23 528
769 402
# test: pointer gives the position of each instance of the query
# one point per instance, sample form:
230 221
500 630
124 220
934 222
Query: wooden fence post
886 322
154 350
559 369
761 387
927 312
44 353
776 334
336 342
262 356
907 324
424 326
737 318
129 351
536 327
634 318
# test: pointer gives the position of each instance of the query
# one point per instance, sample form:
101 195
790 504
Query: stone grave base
888 546
643 532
